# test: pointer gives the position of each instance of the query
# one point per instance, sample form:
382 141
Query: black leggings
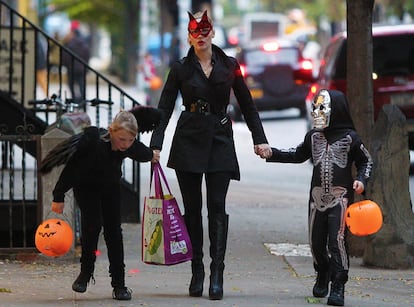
328 241
100 207
217 185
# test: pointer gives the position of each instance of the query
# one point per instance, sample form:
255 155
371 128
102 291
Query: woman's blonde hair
125 120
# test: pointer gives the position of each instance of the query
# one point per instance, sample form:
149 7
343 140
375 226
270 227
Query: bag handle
157 174
164 179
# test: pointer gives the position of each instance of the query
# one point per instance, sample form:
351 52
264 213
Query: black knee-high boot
218 229
195 230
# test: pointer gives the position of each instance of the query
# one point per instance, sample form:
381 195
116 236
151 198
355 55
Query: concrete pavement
253 275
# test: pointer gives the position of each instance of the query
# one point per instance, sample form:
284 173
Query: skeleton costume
333 146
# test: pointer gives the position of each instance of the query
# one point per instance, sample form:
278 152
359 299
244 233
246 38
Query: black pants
100 207
328 243
217 185
191 190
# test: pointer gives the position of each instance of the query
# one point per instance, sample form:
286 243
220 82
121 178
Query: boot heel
216 284
196 285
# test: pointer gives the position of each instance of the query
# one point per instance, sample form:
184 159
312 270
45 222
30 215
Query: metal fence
24 102
19 206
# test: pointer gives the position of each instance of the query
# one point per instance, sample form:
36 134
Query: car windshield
262 58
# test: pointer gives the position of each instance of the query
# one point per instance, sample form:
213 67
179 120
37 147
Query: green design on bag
156 238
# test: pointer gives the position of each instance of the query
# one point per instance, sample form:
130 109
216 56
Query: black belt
202 107
199 107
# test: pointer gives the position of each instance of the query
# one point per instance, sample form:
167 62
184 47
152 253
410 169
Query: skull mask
321 110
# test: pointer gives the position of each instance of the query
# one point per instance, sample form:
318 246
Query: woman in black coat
203 142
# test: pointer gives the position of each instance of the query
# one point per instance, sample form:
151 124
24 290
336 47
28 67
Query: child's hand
358 187
58 207
263 150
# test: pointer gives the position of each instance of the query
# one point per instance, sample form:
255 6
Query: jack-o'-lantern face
54 237
364 218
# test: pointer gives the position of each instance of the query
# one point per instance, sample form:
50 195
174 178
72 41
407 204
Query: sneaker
336 297
81 283
321 287
121 294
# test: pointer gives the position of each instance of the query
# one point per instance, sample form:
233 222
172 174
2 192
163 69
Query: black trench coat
204 142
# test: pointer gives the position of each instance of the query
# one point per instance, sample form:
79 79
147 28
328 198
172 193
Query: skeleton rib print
326 155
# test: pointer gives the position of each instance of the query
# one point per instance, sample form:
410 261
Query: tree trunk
393 246
359 81
131 41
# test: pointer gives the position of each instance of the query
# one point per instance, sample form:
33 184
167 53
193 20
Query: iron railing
23 43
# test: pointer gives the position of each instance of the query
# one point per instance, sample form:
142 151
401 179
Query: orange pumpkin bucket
54 237
363 218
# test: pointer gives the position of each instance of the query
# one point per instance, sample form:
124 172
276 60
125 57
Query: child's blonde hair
125 120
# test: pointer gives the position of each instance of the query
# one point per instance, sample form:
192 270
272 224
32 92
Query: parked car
276 74
393 70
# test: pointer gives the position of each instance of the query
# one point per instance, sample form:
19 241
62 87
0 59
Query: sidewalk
253 276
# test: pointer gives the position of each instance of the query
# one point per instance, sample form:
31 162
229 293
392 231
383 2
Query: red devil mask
203 27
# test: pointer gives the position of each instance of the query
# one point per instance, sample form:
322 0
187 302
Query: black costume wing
77 143
147 118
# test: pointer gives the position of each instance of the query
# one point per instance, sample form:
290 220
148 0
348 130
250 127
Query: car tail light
304 74
306 65
312 92
243 70
270 46
313 89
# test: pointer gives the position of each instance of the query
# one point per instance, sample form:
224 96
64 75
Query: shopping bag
165 239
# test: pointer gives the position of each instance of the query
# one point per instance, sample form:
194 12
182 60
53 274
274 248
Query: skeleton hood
340 119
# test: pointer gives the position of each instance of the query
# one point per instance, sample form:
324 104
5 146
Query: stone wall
393 246
48 141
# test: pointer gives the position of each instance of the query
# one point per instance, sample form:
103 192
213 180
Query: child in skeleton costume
333 146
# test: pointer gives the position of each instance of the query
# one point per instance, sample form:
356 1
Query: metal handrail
18 67
14 26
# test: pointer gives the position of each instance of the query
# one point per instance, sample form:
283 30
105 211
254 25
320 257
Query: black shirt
95 163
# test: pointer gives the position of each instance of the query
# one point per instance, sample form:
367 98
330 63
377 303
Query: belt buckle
203 107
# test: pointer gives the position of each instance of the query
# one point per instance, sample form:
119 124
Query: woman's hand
58 207
263 150
156 156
